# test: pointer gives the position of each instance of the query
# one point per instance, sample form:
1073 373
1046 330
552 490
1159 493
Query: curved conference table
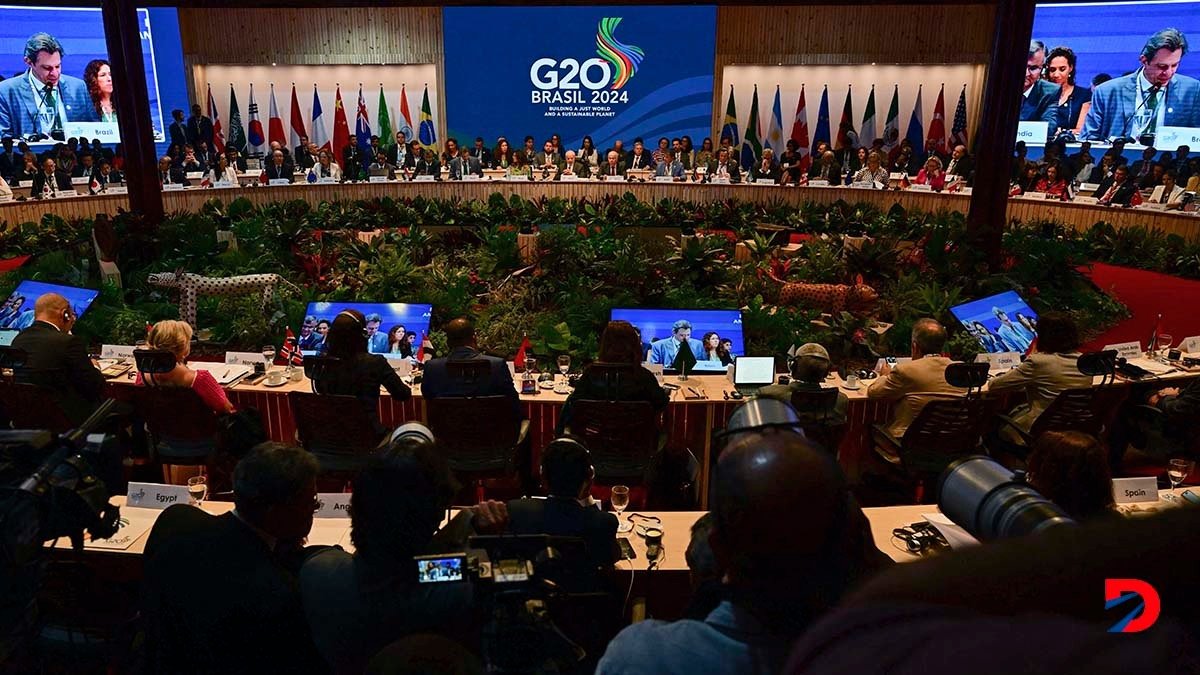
1077 215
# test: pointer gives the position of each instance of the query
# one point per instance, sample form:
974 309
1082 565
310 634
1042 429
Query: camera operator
789 541
57 360
219 593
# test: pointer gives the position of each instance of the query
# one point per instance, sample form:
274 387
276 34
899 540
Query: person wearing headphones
358 373
57 360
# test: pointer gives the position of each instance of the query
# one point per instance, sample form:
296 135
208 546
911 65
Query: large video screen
607 72
393 329
17 311
66 89
1133 79
1001 322
657 325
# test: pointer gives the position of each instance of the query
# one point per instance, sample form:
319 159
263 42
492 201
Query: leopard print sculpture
859 298
191 286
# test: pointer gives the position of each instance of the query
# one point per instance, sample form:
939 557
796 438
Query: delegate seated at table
914 384
664 351
460 337
57 360
724 168
617 375
176 337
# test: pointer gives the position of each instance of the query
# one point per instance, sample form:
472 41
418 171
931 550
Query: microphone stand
1125 137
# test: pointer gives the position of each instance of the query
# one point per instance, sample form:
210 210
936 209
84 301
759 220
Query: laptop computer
751 373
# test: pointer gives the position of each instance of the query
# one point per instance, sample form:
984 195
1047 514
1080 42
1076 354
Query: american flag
290 351
958 133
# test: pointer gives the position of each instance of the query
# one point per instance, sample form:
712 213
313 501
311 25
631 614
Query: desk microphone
1125 137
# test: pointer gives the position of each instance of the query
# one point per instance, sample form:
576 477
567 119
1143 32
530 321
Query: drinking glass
530 364
1178 470
564 365
620 499
268 352
1163 344
197 489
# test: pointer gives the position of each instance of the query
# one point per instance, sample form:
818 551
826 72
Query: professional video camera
992 502
49 488
527 585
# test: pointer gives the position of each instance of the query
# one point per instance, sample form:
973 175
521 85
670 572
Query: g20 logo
1126 591
614 65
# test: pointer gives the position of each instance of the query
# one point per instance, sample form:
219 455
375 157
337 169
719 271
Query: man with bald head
460 338
572 167
916 383
789 541
57 360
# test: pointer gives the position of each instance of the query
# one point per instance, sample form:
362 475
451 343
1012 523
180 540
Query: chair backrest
29 406
969 376
151 362
318 369
332 427
621 435
1086 410
477 433
817 404
469 372
11 359
945 429
1099 364
176 414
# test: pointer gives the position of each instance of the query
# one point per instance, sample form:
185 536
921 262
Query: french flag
319 136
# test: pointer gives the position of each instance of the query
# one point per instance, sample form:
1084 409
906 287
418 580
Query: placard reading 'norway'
604 71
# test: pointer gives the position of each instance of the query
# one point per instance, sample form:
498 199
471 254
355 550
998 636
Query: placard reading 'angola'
602 71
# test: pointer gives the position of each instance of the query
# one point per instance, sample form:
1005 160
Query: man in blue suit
664 351
1153 96
1040 102
377 342
43 99
436 379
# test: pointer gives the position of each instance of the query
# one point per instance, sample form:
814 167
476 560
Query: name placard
1000 361
172 187
920 187
1173 137
379 179
116 351
1191 345
25 184
333 505
863 185
1033 132
1089 201
1153 206
471 177
764 181
818 182
1132 490
1032 195
245 358
424 178
327 180
664 179
81 180
569 177
720 180
156 495
965 191
1126 350
223 184
278 181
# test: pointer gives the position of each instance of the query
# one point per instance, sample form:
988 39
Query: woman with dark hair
660 153
706 154
1045 374
588 153
1053 184
617 374
1071 469
519 168
358 373
1028 181
395 339
97 75
502 155
1073 101
714 350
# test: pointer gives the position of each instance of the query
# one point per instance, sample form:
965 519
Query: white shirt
1142 104
45 117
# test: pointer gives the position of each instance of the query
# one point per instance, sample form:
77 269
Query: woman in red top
176 337
932 175
1053 185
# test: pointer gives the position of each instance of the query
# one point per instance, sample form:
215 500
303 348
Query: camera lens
992 502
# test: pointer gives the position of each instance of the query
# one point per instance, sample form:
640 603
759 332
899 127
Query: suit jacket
103 181
665 350
735 171
833 175
645 161
963 168
282 171
18 106
407 162
175 175
606 169
1124 194
606 384
352 161
61 179
436 380
59 362
577 167
566 517
178 133
1043 377
200 129
773 172
251 601
483 155
674 169
1041 105
1114 103
912 385
1157 196
430 168
10 163
304 159
540 160
460 165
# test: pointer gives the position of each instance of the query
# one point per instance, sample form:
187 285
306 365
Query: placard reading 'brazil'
604 71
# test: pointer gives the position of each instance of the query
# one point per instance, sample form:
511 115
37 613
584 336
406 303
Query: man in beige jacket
914 384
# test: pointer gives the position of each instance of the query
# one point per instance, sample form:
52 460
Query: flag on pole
297 121
936 141
218 132
958 133
319 136
775 130
821 133
751 147
237 135
362 128
275 132
891 128
846 133
1154 332
916 130
405 120
730 128
866 133
428 135
290 351
800 132
387 137
519 359
425 351
341 130
257 140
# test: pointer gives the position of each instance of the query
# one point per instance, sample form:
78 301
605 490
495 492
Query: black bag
238 432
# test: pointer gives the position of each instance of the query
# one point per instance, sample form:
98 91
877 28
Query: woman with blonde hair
176 337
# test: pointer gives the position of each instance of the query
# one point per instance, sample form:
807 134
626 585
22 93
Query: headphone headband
349 314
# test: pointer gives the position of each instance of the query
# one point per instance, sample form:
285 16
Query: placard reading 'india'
604 71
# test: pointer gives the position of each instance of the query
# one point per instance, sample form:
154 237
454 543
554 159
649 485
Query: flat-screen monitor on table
394 329
1001 322
16 313
658 324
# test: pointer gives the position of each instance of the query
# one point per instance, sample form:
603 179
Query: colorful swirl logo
624 58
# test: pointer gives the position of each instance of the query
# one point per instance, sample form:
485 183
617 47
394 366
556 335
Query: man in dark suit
460 337
10 161
43 99
568 510
230 580
50 181
481 153
547 159
1142 168
826 168
612 166
305 155
352 161
398 154
465 164
1040 102
572 167
177 131
278 167
103 176
726 167
767 167
58 360
199 127
640 160
168 173
1118 189
960 164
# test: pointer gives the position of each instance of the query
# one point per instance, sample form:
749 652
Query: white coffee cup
276 377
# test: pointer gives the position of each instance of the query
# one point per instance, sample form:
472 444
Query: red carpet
1146 294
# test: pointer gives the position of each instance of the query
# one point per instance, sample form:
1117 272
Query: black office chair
817 419
183 428
1099 364
482 440
318 369
622 436
335 429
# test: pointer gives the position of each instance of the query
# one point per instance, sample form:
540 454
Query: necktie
1152 106
1165 195
52 102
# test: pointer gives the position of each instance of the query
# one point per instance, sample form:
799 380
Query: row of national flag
251 139
750 148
